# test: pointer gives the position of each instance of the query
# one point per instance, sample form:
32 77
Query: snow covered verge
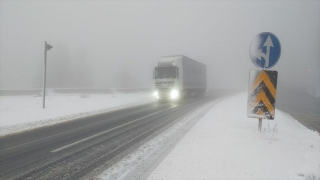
142 161
20 113
225 144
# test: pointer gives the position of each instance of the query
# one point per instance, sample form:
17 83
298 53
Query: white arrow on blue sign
265 50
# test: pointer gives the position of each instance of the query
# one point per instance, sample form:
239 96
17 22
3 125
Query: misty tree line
76 69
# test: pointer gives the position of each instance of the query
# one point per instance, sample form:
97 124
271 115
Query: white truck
178 76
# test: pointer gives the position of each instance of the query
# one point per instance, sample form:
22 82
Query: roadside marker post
46 48
265 52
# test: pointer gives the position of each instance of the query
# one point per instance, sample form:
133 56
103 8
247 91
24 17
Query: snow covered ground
225 144
19 113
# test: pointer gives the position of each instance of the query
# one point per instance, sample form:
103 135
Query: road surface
73 149
300 105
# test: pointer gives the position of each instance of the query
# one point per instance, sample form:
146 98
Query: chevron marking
262 94
260 112
261 97
263 77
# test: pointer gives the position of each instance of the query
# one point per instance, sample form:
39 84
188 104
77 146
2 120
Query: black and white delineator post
46 48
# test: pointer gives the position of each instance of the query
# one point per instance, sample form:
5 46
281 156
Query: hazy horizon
111 44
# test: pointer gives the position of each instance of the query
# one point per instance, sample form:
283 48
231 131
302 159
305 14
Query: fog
111 44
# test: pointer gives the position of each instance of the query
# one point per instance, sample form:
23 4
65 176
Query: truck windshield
166 72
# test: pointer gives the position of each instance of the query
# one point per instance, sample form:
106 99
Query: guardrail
38 92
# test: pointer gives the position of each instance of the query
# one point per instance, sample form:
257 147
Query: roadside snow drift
19 113
225 144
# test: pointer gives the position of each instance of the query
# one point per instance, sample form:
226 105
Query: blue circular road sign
265 50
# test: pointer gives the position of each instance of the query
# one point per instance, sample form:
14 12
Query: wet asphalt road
71 150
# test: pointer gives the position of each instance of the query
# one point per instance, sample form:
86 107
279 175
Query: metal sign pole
44 75
260 124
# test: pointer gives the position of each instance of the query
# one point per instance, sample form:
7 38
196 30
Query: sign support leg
44 76
260 124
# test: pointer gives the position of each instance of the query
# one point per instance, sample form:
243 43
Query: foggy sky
111 44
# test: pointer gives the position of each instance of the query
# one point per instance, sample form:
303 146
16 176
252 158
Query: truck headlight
156 94
174 94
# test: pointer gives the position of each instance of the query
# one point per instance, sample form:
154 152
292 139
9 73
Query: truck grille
164 84
164 93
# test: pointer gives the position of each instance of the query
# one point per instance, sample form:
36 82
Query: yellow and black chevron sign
262 94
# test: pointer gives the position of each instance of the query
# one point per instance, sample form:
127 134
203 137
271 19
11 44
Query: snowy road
302 106
72 149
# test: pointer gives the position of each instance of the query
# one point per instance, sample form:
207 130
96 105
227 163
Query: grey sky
105 44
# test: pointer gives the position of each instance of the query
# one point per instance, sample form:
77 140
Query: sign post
265 52
260 124
46 47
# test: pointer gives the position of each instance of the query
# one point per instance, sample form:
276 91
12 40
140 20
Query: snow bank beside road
19 113
225 144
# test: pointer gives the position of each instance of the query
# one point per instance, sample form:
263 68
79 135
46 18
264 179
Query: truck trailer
178 76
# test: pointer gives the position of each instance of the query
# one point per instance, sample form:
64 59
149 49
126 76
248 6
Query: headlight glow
156 94
174 94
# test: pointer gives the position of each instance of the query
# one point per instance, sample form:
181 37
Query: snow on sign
262 94
265 50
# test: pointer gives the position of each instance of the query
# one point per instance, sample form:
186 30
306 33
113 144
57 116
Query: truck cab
176 76
166 78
